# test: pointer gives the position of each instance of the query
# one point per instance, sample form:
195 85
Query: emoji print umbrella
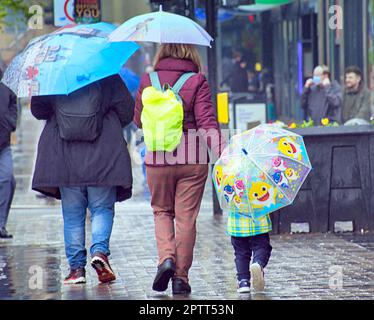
261 171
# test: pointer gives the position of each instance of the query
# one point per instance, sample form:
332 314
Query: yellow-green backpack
162 114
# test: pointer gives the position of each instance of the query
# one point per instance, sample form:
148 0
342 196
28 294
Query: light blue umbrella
161 27
66 60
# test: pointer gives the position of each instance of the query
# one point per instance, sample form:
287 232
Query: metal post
211 10
365 41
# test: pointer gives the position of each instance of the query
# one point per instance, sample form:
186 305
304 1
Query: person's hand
308 83
326 82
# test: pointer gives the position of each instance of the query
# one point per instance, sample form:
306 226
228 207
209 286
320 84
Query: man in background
238 77
8 123
356 97
322 98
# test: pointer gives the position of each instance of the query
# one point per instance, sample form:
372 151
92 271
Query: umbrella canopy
161 27
131 79
261 171
66 60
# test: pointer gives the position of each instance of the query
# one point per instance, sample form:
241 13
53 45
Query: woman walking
176 179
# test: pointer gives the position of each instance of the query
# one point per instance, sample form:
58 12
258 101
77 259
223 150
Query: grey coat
323 102
103 162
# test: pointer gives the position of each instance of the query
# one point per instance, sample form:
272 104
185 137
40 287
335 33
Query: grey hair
318 69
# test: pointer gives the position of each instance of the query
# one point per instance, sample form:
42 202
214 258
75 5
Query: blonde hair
178 51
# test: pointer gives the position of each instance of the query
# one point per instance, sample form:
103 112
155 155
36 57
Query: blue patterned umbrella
66 60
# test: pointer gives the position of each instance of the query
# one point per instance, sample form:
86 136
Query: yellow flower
292 125
325 122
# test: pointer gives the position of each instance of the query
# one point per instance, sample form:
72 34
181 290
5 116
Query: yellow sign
223 107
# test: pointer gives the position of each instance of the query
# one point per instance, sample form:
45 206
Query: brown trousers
176 193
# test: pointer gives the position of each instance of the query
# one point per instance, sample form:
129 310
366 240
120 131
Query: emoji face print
289 148
280 179
291 174
237 201
261 195
239 187
278 164
219 175
228 190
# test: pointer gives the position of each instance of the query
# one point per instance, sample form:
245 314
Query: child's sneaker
257 274
244 286
76 276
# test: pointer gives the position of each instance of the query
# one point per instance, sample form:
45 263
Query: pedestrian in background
8 124
83 160
356 97
227 62
238 77
322 98
177 189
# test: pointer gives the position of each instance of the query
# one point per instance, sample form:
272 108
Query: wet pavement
33 264
301 267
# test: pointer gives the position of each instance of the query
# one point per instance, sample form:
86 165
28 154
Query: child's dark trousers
259 245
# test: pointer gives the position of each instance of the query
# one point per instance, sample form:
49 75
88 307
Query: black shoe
4 234
165 272
180 287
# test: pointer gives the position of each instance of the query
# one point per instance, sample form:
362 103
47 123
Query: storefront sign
63 12
76 11
87 11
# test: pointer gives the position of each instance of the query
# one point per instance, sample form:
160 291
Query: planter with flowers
339 190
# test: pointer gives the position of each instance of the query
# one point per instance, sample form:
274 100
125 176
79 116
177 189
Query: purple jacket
199 114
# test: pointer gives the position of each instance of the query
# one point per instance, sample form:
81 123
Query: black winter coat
103 162
8 115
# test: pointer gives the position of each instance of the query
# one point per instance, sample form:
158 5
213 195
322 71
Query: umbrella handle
245 152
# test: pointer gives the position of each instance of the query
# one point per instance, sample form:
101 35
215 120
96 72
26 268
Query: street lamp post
211 9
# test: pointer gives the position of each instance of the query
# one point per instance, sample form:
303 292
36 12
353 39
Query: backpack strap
155 81
181 81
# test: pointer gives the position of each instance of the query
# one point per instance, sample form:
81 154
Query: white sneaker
257 275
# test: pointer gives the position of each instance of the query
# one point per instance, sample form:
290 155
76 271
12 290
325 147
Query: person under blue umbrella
84 161
82 156
8 123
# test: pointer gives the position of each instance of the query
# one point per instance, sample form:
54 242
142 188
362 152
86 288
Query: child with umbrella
259 172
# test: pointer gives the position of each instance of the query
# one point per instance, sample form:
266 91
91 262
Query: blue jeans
243 248
7 184
75 201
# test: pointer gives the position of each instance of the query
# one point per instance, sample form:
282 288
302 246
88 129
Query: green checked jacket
239 225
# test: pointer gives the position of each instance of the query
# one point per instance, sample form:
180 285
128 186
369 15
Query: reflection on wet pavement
299 268
29 272
24 154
